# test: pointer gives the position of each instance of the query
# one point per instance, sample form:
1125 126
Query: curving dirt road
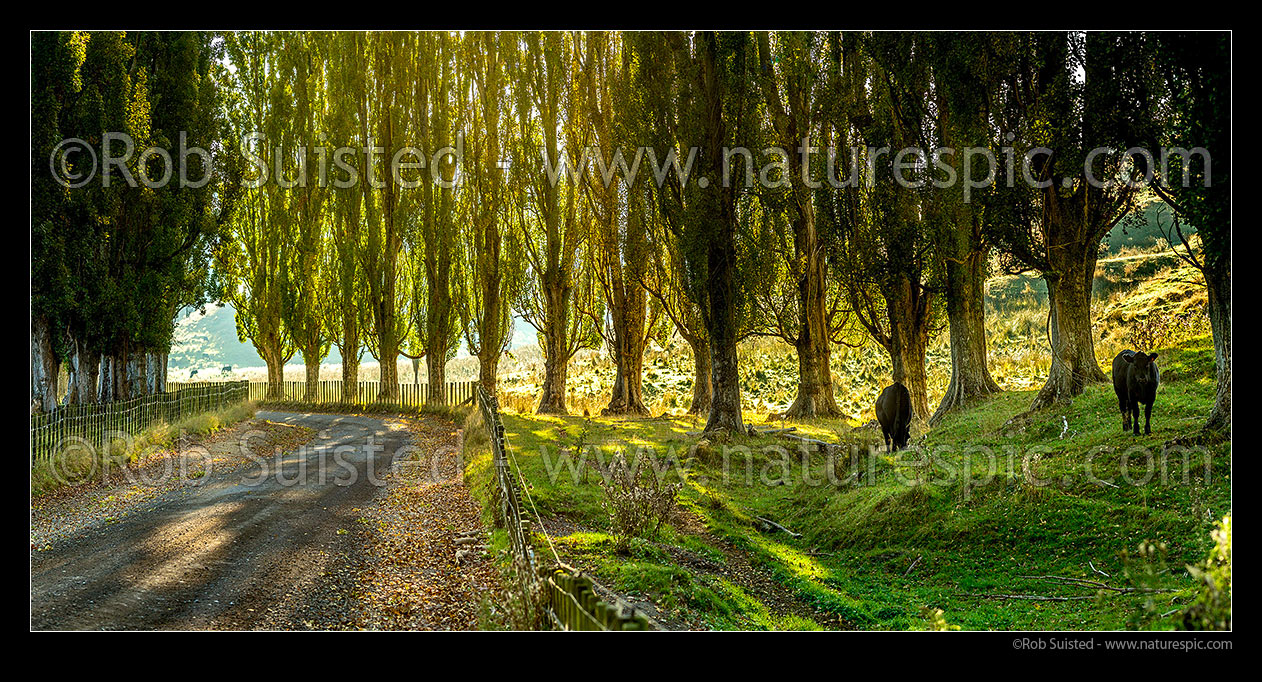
235 550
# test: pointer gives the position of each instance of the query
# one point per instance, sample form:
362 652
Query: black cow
1135 380
893 411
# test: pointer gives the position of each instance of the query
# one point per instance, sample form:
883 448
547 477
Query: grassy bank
979 522
75 465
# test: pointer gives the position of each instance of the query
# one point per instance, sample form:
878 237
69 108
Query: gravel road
223 552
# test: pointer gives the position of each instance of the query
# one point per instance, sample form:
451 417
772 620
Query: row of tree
530 203
112 264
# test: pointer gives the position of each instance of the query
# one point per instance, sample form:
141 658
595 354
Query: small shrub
935 620
1161 331
637 500
578 444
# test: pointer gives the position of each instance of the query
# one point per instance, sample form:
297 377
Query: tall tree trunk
725 380
138 366
490 271
1074 363
388 346
72 380
701 393
556 358
966 315
438 329
628 387
715 211
121 371
815 381
488 369
89 372
628 317
1218 280
45 367
793 124
311 359
163 360
908 313
1072 247
350 375
491 324
552 395
105 381
389 362
436 379
275 360
151 373
349 349
440 242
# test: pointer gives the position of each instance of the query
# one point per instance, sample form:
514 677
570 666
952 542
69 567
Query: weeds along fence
366 392
568 597
94 425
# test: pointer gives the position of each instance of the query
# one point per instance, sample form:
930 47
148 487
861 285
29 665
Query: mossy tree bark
788 79
966 317
1072 248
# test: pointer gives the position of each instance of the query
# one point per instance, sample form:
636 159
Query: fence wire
569 596
95 424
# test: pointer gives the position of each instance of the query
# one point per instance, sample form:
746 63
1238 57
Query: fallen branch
805 440
777 526
1083 582
913 565
1026 597
773 432
1097 570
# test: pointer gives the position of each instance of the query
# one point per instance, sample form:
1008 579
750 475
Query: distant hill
208 342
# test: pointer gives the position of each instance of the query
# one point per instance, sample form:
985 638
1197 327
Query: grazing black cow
1135 380
893 411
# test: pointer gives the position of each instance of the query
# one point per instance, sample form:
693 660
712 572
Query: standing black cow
1135 379
893 411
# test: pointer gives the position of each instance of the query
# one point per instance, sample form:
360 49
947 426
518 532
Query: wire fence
569 597
96 424
331 392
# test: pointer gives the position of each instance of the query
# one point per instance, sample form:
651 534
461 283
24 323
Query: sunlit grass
885 554
999 499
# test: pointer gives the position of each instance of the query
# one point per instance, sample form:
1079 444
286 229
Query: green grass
994 502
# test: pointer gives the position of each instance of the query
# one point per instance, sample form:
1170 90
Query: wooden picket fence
330 393
569 596
94 425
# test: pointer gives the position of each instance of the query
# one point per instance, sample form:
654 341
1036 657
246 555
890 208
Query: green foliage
1158 331
113 265
1212 608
